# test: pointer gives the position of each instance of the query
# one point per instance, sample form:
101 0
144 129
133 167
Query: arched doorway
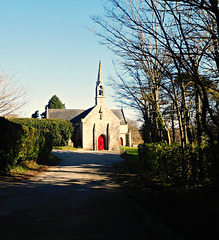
121 142
101 142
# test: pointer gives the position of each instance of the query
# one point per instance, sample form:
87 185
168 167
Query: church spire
100 76
100 91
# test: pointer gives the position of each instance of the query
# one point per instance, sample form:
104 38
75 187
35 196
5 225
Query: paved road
76 200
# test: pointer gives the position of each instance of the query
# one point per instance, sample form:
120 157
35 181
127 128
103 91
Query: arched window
101 91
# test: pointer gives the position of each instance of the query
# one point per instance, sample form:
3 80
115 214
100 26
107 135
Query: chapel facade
96 128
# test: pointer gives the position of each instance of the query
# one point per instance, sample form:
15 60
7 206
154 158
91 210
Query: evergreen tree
55 103
43 114
36 114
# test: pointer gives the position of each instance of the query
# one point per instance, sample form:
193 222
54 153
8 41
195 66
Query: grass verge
132 161
28 169
68 148
130 150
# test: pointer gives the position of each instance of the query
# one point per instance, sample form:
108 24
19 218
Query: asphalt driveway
76 200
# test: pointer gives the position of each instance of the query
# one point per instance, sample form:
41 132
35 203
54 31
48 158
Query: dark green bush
10 142
172 163
147 154
21 143
61 130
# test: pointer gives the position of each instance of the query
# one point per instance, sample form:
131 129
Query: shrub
10 142
61 130
172 163
21 143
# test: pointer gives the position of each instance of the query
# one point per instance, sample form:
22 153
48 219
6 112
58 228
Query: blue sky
47 45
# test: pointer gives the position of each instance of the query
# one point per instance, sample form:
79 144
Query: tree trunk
199 133
172 122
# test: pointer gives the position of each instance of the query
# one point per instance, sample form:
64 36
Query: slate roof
66 114
120 115
81 115
75 115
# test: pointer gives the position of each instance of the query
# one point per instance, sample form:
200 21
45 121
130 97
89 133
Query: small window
101 91
101 114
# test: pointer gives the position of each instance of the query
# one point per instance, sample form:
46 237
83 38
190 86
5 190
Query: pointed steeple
100 91
100 76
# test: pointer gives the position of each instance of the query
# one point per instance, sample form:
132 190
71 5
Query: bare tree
166 48
12 95
142 61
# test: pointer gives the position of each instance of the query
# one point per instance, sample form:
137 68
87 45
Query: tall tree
159 44
55 103
36 114
142 61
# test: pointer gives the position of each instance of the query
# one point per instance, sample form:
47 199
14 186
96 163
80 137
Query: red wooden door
101 143
121 142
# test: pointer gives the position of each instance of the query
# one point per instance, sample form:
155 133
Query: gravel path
76 200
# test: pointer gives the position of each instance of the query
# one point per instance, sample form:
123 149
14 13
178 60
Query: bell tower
100 91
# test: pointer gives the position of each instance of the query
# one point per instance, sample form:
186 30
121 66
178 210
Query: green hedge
21 143
172 163
61 130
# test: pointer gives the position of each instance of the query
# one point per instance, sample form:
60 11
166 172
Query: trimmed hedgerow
61 130
21 143
190 165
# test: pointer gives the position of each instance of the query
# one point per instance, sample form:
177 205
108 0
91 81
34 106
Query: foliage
43 114
191 165
61 130
55 103
167 64
21 143
36 114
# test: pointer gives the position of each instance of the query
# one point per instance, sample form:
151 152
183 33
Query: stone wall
123 133
101 121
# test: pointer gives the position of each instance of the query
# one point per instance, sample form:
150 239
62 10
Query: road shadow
82 168
78 199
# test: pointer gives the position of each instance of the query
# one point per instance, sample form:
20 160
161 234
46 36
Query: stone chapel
96 128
